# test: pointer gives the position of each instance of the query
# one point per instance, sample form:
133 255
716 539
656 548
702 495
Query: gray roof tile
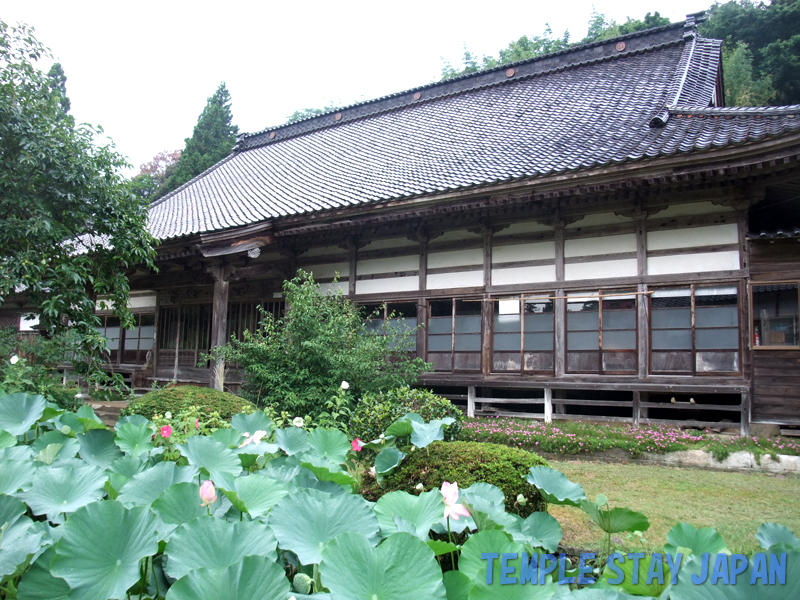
578 109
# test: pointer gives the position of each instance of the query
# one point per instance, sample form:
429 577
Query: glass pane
620 361
372 309
720 316
112 322
710 339
583 361
506 361
441 308
539 361
440 343
468 307
616 302
374 325
132 333
538 307
583 341
582 321
403 324
112 332
716 296
148 320
539 322
539 341
672 318
619 340
113 344
468 324
471 342
467 361
506 323
404 309
147 332
676 339
672 298
506 307
619 319
440 325
441 361
671 362
507 342
727 362
775 315
146 344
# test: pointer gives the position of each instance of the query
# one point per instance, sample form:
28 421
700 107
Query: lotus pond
248 511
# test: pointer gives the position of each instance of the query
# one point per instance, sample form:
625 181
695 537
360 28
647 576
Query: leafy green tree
296 363
213 139
151 181
69 226
770 31
58 86
740 87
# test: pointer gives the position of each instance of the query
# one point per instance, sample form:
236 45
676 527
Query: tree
740 87
770 32
212 140
151 181
69 226
297 362
58 86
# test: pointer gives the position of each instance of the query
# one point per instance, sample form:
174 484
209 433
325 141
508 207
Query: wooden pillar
219 320
351 279
637 397
559 408
422 239
471 401
548 405
422 328
560 305
744 427
487 310
156 339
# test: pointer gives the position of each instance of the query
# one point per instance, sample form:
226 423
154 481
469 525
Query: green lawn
734 504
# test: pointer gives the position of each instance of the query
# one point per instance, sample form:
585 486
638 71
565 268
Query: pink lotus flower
197 423
208 494
166 431
357 444
450 497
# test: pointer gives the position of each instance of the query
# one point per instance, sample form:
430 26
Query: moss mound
180 397
375 412
465 463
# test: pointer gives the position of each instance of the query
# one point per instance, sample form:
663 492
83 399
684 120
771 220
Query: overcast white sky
143 70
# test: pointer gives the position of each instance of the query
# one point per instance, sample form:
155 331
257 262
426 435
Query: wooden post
156 339
560 306
219 320
422 328
471 401
643 335
422 239
177 345
744 427
637 396
351 279
548 405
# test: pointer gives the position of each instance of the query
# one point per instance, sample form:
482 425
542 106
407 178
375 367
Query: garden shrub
375 412
465 463
64 397
177 398
296 363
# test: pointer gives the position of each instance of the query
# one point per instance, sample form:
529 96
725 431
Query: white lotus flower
345 385
298 421
14 359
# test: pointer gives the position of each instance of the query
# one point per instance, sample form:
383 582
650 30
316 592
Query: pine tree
58 86
213 139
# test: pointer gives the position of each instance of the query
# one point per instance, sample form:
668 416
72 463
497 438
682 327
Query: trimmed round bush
375 412
181 397
465 463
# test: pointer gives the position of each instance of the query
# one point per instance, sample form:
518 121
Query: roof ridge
676 87
690 23
773 111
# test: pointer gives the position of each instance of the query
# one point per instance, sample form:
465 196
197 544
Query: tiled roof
640 96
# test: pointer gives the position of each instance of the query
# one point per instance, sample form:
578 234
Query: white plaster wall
391 264
328 270
455 258
702 262
515 275
388 243
599 219
693 237
518 252
694 208
524 227
142 302
333 288
626 267
387 285
609 244
463 279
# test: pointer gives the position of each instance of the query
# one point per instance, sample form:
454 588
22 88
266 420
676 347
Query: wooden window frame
600 349
123 338
453 334
693 305
752 332
522 371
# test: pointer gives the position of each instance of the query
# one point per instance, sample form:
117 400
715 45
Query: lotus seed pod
302 583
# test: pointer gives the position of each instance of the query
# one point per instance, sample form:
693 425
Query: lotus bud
521 500
167 415
208 494
419 486
302 584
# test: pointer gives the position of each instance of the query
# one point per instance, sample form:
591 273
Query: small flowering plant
171 430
